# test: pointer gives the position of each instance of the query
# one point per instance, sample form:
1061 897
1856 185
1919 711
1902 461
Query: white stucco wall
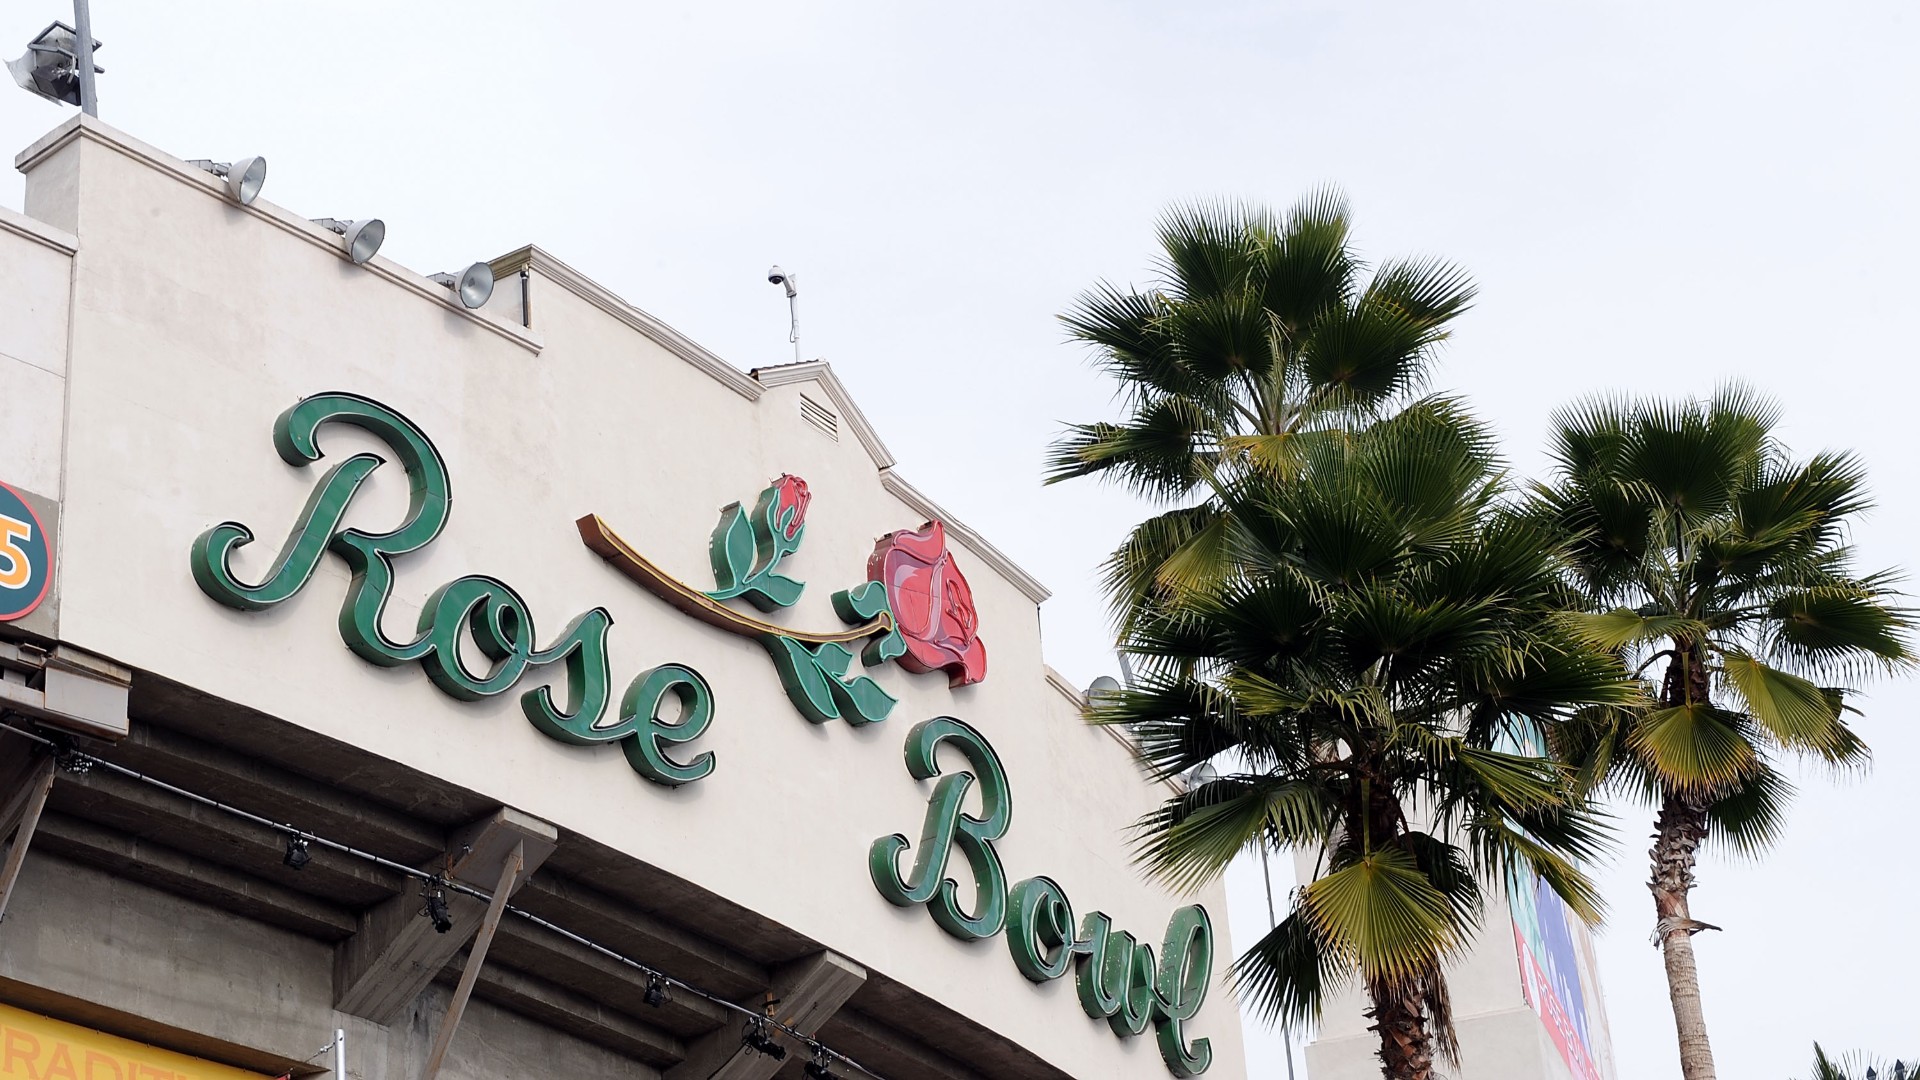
195 322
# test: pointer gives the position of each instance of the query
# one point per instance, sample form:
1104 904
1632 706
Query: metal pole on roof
83 54
339 1054
1273 922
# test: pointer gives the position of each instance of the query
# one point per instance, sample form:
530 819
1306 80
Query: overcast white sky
1653 197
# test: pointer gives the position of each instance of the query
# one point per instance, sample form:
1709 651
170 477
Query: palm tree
1856 1067
1262 330
1386 627
1708 553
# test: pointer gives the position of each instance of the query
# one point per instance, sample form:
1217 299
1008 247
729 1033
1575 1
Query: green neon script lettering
1186 970
947 826
646 748
1115 976
483 608
1040 929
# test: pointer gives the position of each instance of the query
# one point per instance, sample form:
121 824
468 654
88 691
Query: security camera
777 276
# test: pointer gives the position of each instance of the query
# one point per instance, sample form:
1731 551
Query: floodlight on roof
472 287
1199 776
51 66
364 237
244 177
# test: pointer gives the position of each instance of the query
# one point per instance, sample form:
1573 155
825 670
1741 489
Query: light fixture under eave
756 1037
472 287
51 65
364 237
244 177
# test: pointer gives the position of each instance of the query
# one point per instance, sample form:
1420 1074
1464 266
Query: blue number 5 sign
26 560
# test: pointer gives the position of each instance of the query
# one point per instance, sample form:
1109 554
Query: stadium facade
688 740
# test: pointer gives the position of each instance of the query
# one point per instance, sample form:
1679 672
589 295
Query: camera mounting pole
83 57
780 277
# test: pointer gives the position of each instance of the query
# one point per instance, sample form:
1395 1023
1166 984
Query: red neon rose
932 604
790 494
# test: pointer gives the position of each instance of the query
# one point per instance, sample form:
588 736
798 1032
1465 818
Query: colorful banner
34 1047
1558 975
1550 975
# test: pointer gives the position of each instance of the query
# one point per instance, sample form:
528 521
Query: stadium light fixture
244 177
363 237
472 287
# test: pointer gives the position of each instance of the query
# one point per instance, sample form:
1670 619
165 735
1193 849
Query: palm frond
1793 710
1750 818
1189 840
1696 749
1383 915
1620 628
1288 973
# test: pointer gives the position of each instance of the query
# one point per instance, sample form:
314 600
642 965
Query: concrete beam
245 781
19 817
647 938
891 1051
806 993
579 1015
21 760
396 953
151 813
196 879
512 870
540 952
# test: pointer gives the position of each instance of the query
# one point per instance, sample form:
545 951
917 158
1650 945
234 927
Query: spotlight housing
297 856
50 67
820 1068
1199 776
244 177
656 994
364 237
435 895
757 1038
472 287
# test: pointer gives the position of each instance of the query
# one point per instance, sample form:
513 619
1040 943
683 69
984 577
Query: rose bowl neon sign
915 607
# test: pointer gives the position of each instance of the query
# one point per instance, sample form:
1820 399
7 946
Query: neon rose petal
932 604
791 494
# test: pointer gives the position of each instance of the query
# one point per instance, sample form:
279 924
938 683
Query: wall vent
820 417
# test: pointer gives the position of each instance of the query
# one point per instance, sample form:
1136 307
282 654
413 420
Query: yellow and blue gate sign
26 557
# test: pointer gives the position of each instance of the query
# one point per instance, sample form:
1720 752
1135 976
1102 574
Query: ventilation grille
820 417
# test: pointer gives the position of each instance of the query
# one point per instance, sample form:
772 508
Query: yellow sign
33 1047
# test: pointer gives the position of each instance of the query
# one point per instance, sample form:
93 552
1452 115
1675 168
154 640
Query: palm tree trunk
1682 825
1406 1045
